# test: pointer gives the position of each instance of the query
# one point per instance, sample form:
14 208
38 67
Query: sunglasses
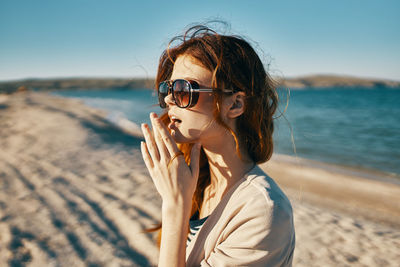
184 93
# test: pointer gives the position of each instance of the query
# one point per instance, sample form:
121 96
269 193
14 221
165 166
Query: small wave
118 119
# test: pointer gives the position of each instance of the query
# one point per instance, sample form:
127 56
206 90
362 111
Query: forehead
187 67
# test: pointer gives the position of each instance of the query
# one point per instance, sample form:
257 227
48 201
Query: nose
169 100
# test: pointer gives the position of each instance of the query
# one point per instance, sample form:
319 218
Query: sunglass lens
163 89
181 91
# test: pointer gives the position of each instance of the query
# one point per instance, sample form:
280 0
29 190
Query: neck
226 167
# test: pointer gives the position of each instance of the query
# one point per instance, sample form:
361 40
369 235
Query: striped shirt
195 225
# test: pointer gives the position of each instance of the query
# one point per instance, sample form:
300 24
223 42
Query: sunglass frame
171 83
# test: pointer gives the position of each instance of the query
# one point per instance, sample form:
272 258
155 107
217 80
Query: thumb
195 159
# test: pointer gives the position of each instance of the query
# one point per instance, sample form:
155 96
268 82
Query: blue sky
120 38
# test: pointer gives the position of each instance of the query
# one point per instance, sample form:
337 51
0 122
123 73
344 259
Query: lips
175 121
174 118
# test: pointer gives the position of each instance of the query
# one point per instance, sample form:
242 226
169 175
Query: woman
218 207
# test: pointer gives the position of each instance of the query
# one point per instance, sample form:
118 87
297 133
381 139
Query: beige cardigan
251 226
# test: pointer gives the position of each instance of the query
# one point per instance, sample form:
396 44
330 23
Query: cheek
197 122
205 102
193 127
201 114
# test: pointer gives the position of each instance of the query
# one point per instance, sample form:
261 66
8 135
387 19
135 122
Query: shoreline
368 172
314 191
361 172
75 192
354 192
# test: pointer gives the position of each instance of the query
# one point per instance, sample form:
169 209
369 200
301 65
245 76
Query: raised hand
173 178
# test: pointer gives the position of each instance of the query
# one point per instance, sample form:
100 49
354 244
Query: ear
237 105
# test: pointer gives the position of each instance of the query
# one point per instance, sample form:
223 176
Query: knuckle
166 139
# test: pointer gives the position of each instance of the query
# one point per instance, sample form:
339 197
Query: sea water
356 127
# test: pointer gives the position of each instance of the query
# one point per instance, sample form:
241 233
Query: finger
146 156
195 159
162 149
150 143
166 137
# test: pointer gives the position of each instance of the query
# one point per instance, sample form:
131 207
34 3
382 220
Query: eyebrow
191 79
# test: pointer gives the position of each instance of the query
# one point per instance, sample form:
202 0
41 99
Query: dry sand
74 192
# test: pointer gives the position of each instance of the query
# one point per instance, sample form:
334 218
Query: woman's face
195 124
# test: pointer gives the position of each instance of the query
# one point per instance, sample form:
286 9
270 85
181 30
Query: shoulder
259 203
255 228
252 226
260 193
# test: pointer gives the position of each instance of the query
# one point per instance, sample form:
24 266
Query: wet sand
74 191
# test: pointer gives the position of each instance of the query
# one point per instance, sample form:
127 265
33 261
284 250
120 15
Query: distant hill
326 81
316 81
75 84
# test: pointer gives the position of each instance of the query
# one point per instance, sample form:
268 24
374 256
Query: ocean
354 127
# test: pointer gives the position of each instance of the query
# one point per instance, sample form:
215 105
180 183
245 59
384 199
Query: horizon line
153 77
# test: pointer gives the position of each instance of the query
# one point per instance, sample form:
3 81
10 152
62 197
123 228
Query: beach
75 192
